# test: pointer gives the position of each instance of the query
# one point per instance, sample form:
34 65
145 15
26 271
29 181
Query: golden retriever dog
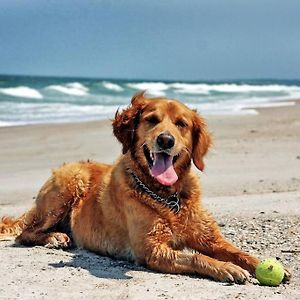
144 208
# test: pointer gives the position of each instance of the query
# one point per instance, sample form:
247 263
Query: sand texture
251 184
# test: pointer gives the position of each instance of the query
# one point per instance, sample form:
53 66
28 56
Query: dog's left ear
126 121
202 140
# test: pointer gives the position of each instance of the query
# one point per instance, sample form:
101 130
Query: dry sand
251 184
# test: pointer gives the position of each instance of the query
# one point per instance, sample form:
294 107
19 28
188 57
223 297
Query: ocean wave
189 88
160 88
101 98
152 88
6 124
203 88
112 86
223 108
271 104
22 91
73 88
36 113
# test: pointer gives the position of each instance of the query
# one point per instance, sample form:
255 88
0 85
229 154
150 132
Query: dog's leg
54 203
209 240
157 253
38 225
37 232
164 259
225 251
214 245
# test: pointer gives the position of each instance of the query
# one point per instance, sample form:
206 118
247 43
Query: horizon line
149 79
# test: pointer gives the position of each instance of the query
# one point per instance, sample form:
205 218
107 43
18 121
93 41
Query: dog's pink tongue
163 170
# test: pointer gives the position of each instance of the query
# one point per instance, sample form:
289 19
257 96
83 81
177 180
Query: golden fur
99 208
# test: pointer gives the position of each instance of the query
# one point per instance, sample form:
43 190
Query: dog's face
163 137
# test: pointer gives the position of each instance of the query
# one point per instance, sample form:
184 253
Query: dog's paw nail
287 275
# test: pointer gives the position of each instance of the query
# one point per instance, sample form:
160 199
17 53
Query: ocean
33 100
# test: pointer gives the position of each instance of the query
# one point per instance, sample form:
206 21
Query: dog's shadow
97 265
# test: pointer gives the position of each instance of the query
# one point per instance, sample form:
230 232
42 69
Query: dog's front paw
229 272
58 240
287 275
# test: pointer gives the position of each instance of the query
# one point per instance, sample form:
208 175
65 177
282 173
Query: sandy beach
251 185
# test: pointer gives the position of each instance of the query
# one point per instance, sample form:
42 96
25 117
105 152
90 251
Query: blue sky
165 39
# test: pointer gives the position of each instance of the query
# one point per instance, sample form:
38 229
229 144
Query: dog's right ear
126 121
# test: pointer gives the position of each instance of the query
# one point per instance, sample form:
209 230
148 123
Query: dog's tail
11 227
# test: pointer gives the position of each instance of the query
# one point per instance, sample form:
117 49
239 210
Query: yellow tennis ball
269 272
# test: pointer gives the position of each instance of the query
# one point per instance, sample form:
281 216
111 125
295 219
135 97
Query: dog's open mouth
161 166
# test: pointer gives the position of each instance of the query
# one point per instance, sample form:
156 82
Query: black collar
172 202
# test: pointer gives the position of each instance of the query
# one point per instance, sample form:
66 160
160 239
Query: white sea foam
22 91
203 88
159 88
223 108
112 86
36 113
229 98
271 104
5 124
152 88
74 89
189 88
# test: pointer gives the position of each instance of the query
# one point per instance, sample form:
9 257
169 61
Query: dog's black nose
165 141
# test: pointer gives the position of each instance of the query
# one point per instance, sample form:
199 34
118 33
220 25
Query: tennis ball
269 272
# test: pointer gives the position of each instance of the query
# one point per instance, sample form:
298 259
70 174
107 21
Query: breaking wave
152 88
30 100
190 88
112 86
74 89
22 91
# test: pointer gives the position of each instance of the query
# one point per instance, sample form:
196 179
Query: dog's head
163 137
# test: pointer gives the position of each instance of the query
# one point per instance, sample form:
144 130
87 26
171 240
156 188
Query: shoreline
252 110
251 185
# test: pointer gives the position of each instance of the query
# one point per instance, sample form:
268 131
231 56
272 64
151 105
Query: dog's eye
181 123
153 120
